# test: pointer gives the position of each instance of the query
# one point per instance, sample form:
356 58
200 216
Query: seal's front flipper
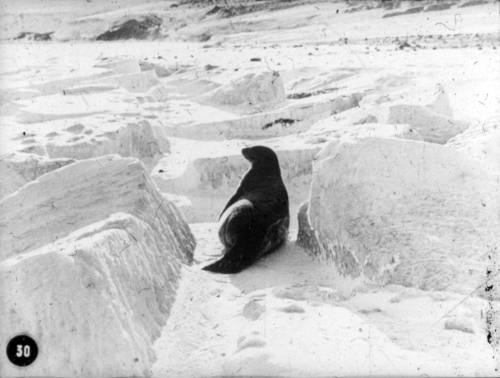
276 235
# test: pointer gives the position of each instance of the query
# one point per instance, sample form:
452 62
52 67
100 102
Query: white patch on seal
240 203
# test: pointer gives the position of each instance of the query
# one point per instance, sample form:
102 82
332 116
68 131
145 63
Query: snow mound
146 27
108 286
94 252
482 142
18 169
82 193
352 131
407 212
134 82
433 127
132 140
291 119
250 90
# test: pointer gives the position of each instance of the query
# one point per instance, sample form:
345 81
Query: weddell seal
255 220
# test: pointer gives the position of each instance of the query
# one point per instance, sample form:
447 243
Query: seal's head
260 155
262 158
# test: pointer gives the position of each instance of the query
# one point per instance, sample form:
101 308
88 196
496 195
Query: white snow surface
95 247
288 315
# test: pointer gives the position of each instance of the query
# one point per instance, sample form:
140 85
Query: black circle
22 350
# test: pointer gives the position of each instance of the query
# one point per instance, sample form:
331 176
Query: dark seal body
255 220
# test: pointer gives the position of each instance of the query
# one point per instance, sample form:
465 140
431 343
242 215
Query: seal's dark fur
258 216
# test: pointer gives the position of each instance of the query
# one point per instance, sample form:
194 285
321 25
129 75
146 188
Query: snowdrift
134 82
135 139
265 88
433 121
481 141
405 212
91 255
290 119
434 127
18 169
77 195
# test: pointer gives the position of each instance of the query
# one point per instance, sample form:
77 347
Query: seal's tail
235 260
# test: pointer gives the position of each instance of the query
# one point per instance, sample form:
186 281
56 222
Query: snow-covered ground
304 78
289 316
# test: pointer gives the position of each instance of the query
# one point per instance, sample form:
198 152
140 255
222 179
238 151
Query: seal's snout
246 153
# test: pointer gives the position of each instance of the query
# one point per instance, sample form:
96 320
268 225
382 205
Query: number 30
23 352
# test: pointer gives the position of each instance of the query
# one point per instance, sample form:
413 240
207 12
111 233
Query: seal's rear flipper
234 261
